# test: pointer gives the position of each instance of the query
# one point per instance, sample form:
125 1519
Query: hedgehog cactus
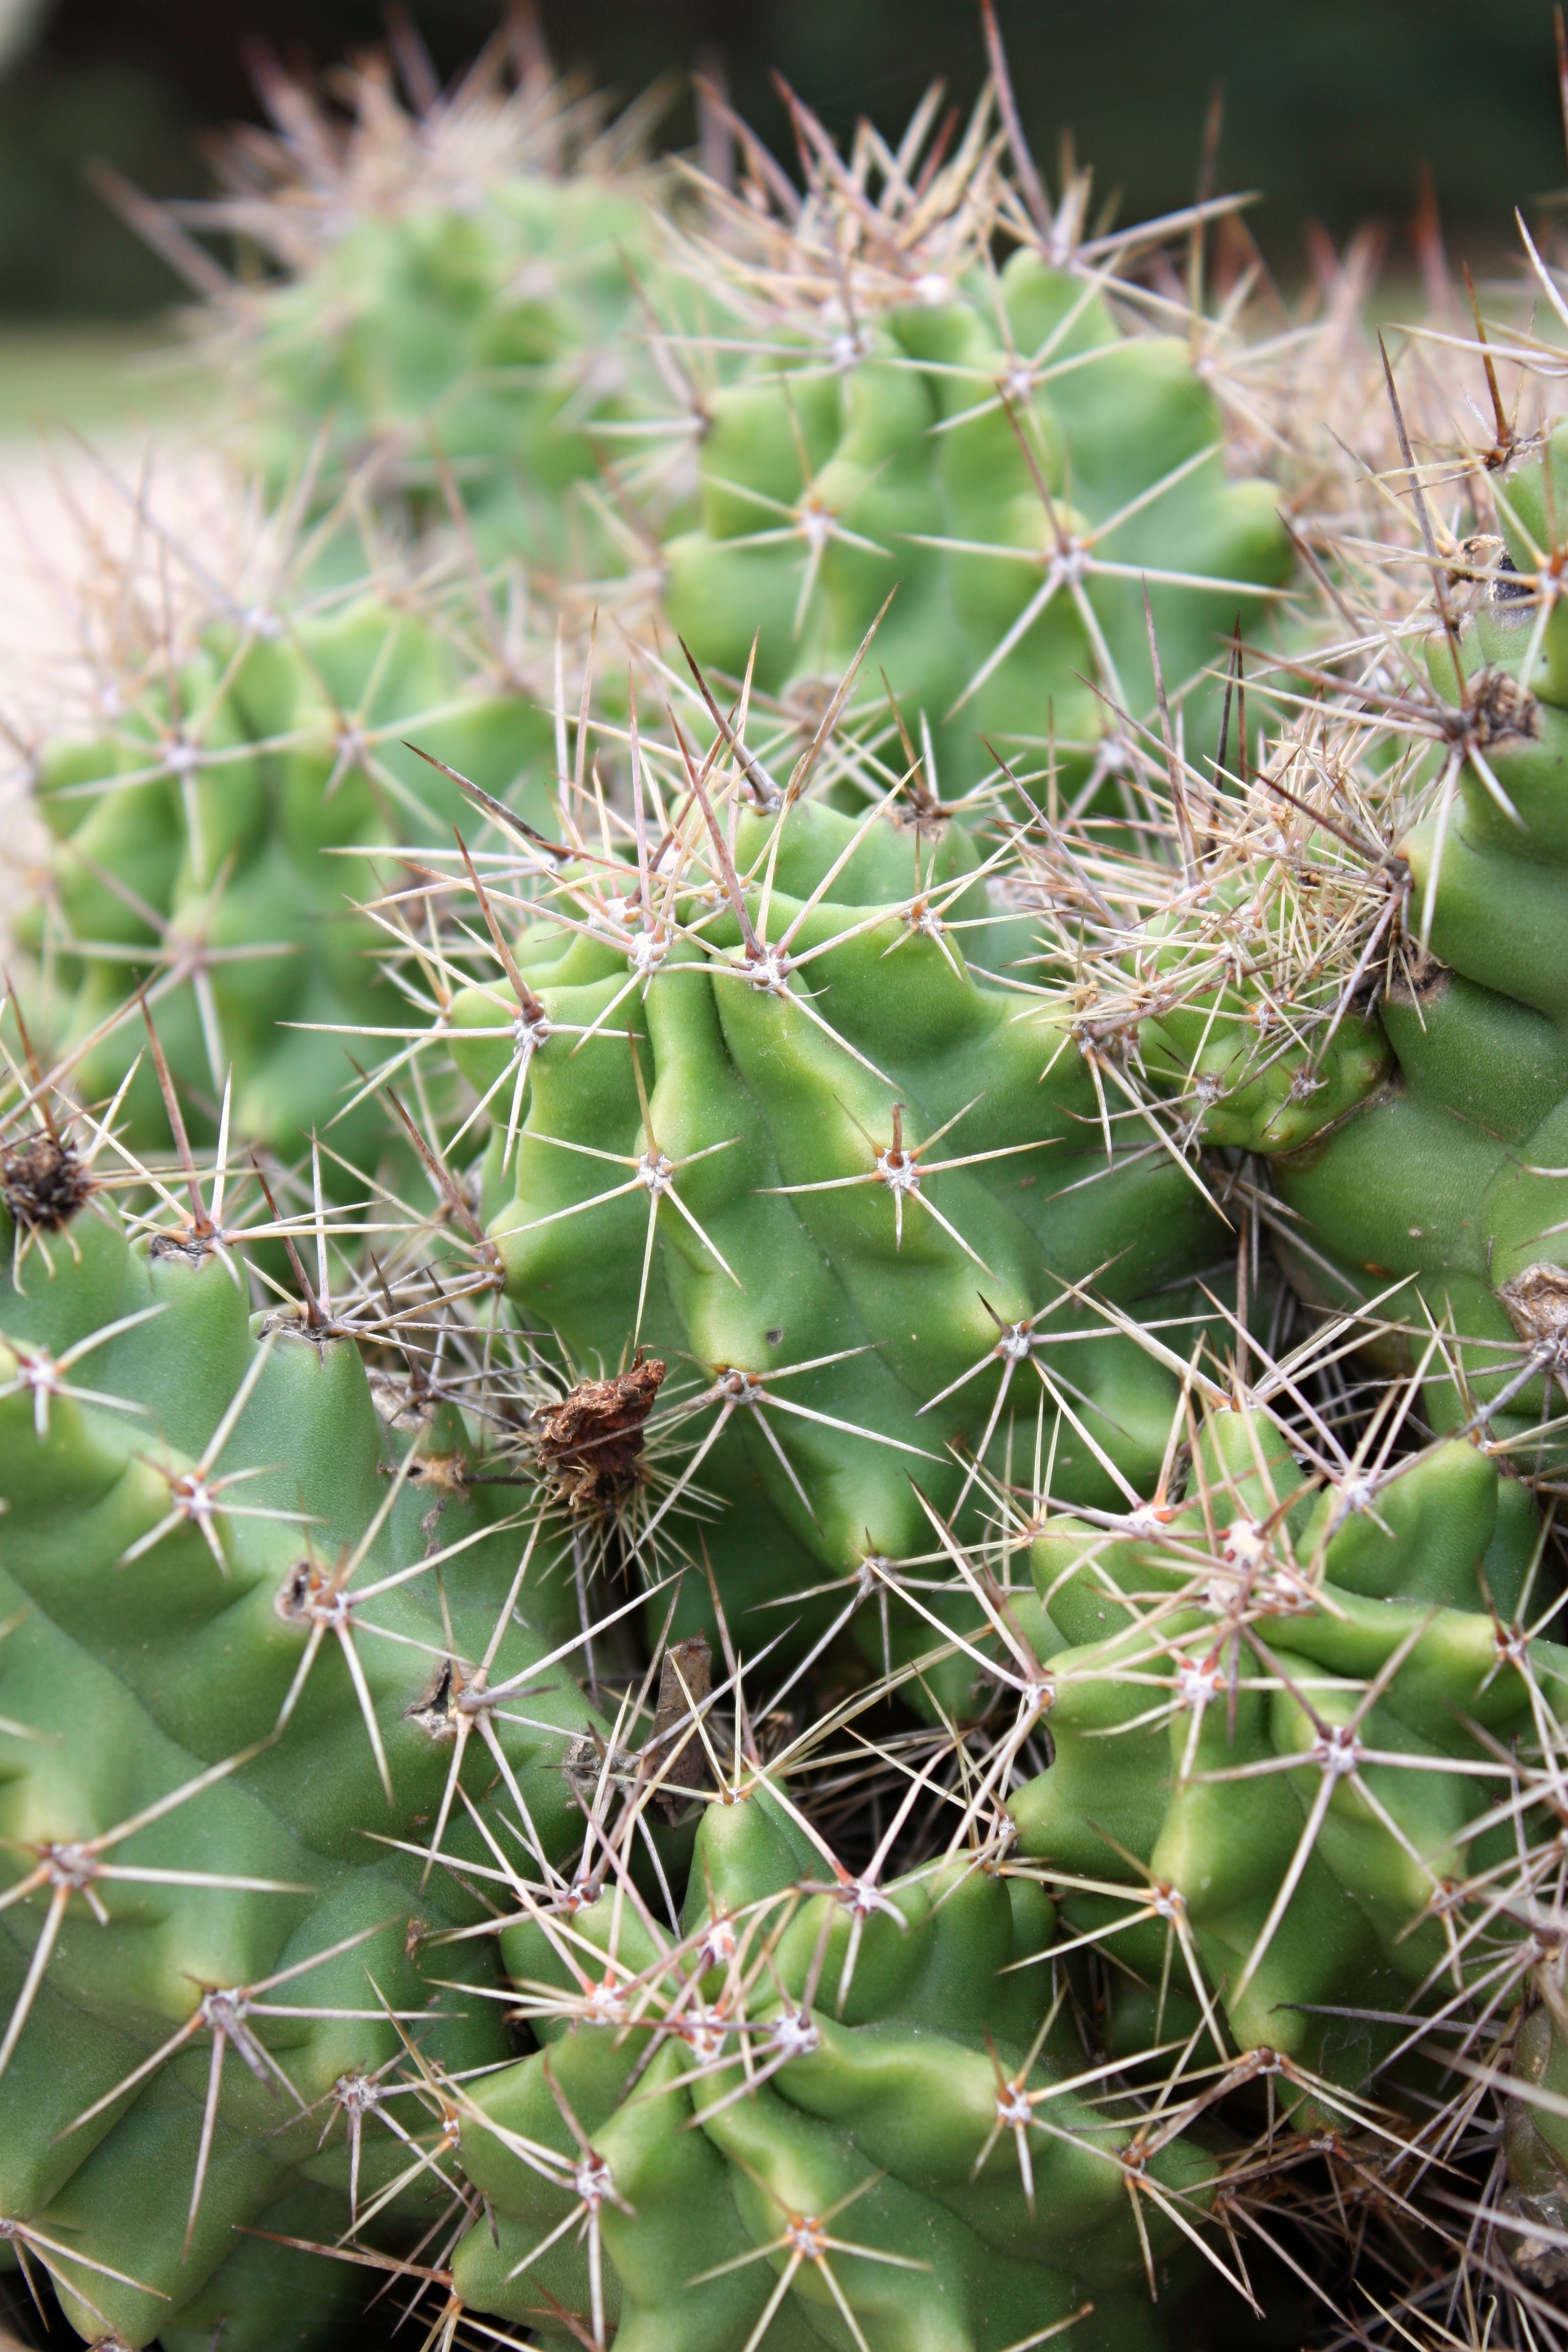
193 834
243 1621
827 2106
762 1101
455 310
1281 1719
1022 454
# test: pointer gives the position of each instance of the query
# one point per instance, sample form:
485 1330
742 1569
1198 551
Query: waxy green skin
1425 1167
1451 1174
903 2085
120 1681
1108 416
1455 1544
727 1063
1535 2139
483 343
216 806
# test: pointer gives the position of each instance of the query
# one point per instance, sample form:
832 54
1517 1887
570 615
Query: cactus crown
1023 447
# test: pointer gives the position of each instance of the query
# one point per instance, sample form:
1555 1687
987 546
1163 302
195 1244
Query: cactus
869 1159
245 1619
455 308
1358 983
824 2106
1464 1143
192 837
473 321
1342 1002
1025 454
1283 1719
761 1100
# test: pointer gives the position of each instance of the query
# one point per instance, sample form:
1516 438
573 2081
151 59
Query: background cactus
477 321
455 304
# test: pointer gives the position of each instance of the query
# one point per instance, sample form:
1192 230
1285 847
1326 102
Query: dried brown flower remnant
1501 707
591 1443
45 1181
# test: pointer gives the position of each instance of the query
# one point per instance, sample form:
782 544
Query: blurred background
1331 106
1332 110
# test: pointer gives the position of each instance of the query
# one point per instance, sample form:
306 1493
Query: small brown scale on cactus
43 1181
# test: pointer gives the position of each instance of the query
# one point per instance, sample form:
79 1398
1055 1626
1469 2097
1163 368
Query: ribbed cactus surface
825 2108
1282 1718
948 1168
764 1102
1024 459
243 1617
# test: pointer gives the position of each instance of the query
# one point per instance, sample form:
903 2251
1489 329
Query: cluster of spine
1356 978
946 1169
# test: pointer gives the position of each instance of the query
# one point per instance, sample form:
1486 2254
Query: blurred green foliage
61 253
1332 106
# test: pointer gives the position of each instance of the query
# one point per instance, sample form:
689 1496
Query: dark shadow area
1333 107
